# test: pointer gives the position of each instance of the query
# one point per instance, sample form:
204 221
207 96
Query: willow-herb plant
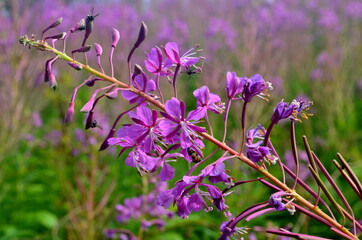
162 133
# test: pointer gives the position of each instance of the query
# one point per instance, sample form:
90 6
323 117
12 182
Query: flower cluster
161 132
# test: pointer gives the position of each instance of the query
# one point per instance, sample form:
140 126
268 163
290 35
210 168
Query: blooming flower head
187 203
186 60
285 110
234 84
175 122
155 65
255 151
127 137
208 100
145 124
229 232
256 86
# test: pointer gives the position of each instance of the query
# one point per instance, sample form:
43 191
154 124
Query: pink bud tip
115 37
98 49
69 114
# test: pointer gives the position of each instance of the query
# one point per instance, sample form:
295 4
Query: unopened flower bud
53 25
52 81
69 114
82 49
76 66
91 82
88 106
56 23
89 122
105 143
115 37
141 35
137 69
48 68
98 49
113 94
59 36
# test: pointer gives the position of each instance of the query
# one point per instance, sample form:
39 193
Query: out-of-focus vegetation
54 184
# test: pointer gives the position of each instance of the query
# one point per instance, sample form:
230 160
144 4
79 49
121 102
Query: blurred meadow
55 184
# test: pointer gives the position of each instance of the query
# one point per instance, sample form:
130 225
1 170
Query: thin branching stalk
302 201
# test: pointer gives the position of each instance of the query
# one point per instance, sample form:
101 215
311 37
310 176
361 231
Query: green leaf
47 219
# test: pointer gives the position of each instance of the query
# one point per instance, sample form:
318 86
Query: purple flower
207 100
126 137
229 232
143 84
256 154
255 86
187 203
281 111
255 151
167 172
145 121
234 84
285 110
175 121
173 53
275 201
155 65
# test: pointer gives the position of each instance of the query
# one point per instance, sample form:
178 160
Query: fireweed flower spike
190 193
175 122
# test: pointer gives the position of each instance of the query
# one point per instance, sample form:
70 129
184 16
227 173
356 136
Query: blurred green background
55 184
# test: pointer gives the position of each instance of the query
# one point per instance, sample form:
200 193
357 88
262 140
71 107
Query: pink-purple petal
195 203
167 172
172 107
196 114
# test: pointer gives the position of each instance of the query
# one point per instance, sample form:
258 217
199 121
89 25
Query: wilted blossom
175 122
207 100
155 64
